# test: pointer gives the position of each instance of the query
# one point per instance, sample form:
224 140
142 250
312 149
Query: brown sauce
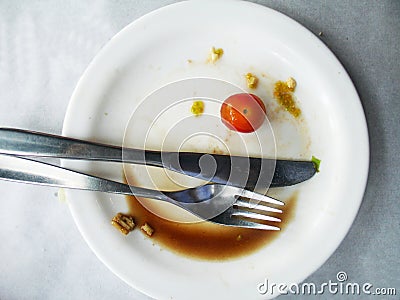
205 240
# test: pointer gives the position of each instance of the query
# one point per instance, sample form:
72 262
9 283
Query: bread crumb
215 54
124 223
252 81
147 229
291 83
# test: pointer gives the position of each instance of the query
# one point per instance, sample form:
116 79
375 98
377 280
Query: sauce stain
205 240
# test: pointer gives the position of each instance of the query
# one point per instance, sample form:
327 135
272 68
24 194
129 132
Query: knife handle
36 144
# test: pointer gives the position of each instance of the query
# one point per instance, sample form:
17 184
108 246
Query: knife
249 172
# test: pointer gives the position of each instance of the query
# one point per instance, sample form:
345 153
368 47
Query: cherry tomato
243 112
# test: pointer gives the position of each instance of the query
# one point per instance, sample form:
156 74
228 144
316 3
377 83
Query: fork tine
260 197
253 215
245 203
254 225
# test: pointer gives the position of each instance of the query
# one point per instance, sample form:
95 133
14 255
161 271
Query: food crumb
189 61
239 237
252 81
320 33
147 229
283 93
124 223
197 108
215 54
291 83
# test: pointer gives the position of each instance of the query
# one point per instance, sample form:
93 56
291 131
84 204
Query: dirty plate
171 44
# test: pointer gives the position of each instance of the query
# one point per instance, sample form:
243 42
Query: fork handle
30 143
25 170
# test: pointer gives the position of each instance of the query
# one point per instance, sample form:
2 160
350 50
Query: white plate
154 51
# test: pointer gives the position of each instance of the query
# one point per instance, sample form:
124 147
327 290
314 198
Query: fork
221 204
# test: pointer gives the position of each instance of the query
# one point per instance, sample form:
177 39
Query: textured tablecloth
44 48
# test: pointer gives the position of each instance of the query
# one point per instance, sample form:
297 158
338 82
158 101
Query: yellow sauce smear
206 240
283 93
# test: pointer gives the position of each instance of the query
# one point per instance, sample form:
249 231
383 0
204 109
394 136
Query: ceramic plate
172 44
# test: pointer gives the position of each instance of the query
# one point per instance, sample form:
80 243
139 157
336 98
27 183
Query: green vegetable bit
317 162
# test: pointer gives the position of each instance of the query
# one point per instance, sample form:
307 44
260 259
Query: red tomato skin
243 112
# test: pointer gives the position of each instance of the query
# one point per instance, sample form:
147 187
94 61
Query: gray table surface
44 48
